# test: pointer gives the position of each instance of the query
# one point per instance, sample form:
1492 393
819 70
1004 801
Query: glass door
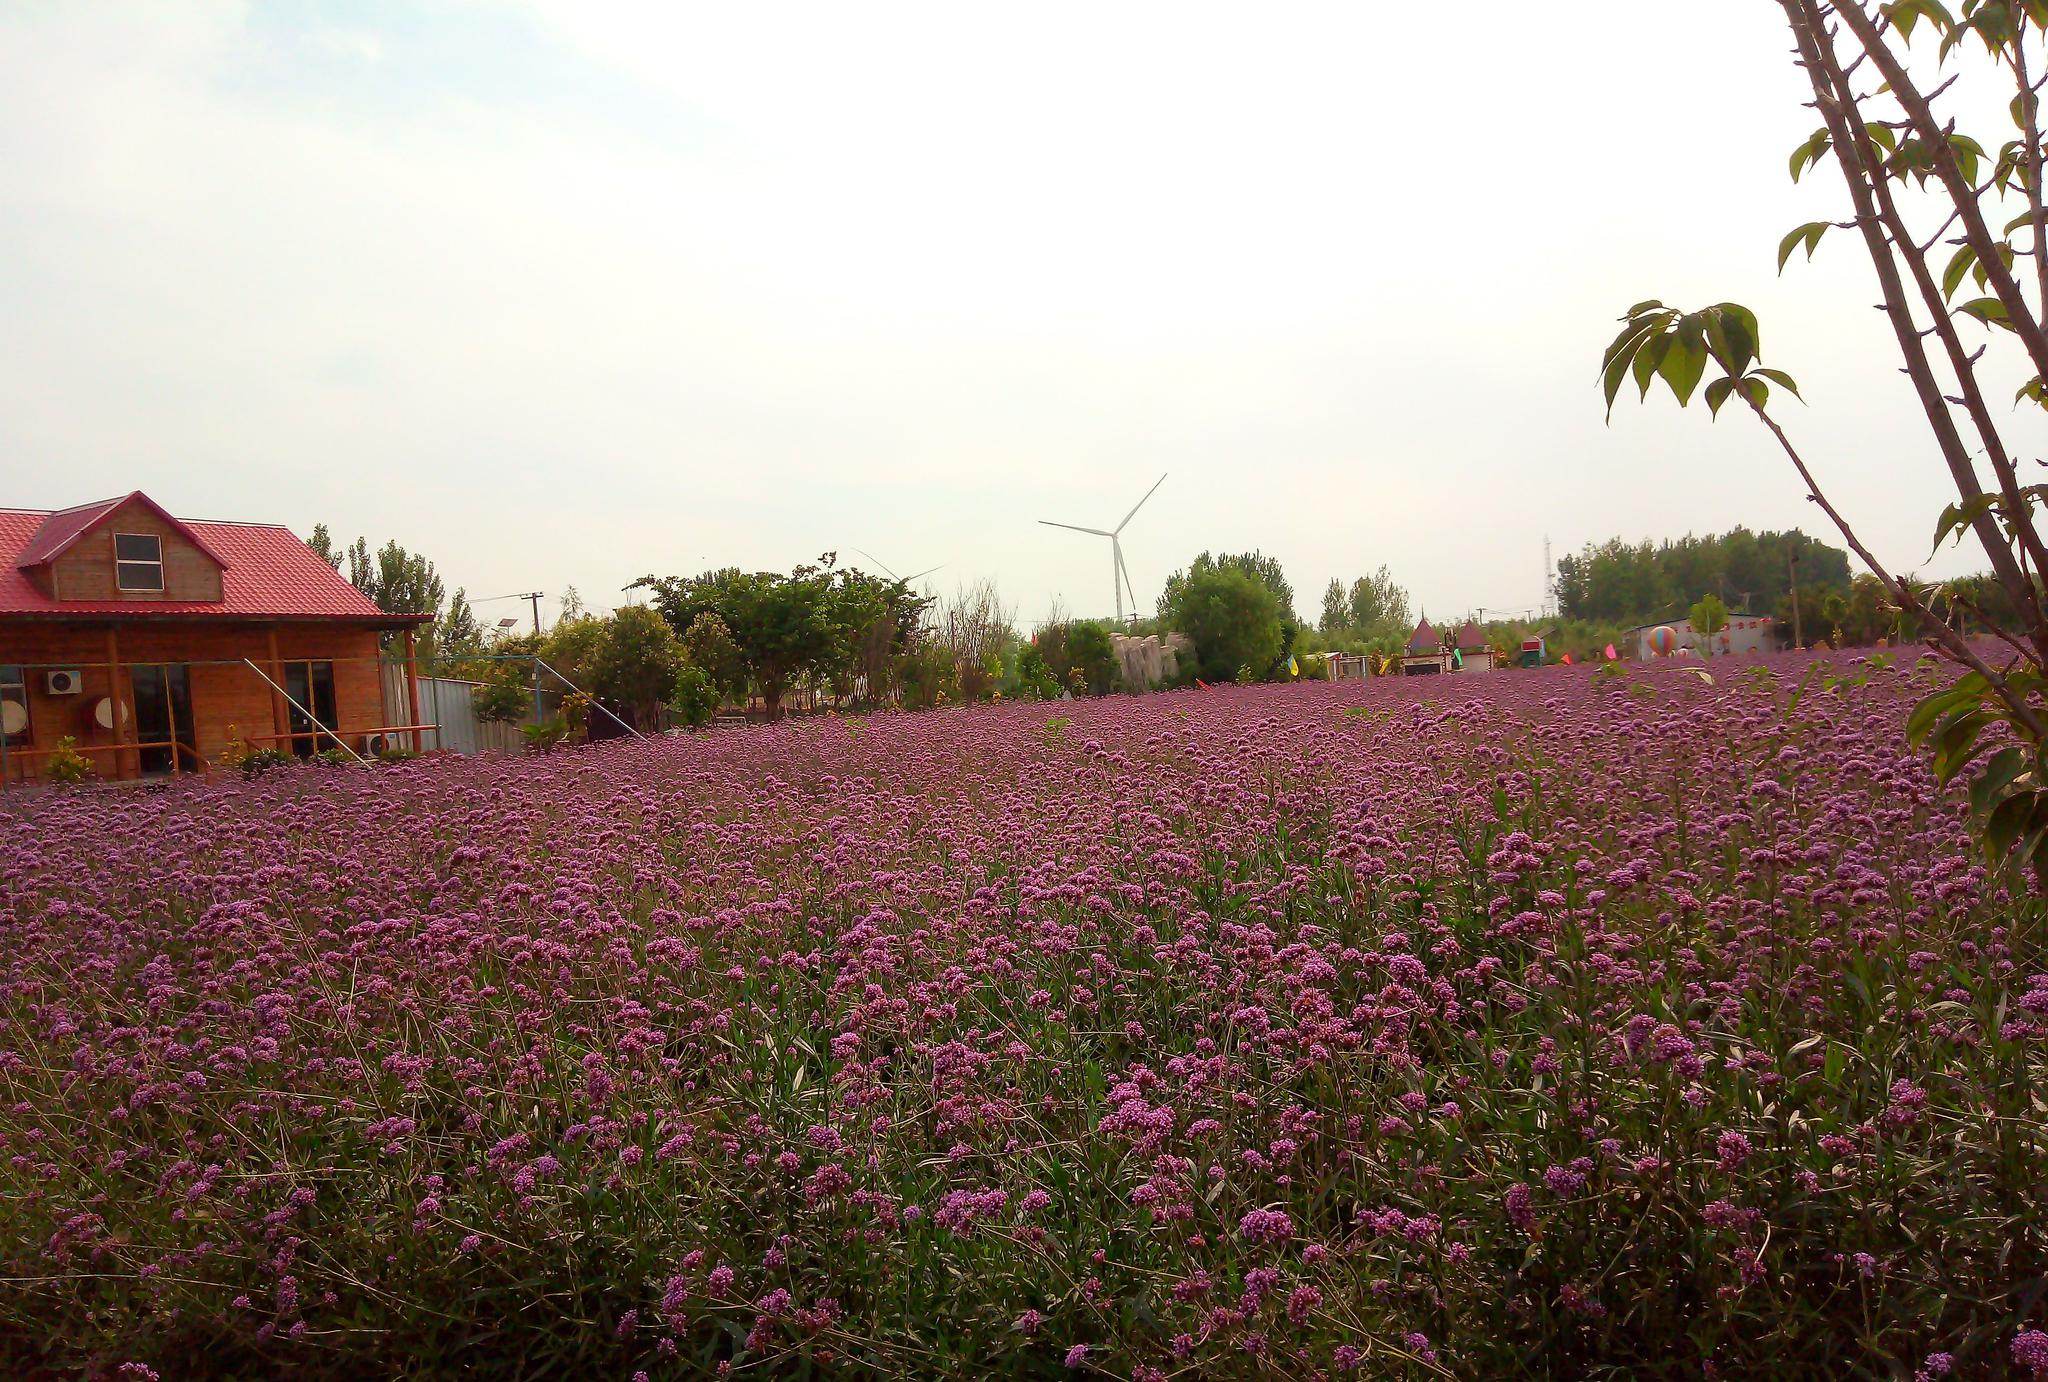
310 684
163 714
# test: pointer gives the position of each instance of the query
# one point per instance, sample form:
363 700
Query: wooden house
156 645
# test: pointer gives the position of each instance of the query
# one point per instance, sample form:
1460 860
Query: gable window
138 561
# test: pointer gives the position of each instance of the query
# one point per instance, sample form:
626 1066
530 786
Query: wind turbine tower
1119 576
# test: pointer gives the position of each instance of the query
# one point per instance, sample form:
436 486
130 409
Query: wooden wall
228 701
86 572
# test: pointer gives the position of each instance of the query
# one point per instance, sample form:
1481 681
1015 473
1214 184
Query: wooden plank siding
228 701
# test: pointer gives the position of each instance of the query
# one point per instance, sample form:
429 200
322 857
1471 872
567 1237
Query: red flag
1611 654
1203 684
1566 659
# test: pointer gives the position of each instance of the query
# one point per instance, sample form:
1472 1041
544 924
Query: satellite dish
13 718
104 710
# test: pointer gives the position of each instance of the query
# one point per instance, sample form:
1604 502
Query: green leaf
2007 819
1990 311
1743 336
1612 376
2034 831
1968 155
1717 393
1969 687
1810 233
1646 305
1756 391
1780 378
1955 740
2033 389
1958 265
1686 361
1646 363
1956 517
1997 775
1809 152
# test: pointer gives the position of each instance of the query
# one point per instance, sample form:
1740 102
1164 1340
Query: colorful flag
1611 654
1293 667
1566 659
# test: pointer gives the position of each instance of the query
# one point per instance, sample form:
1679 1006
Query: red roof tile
1424 639
267 572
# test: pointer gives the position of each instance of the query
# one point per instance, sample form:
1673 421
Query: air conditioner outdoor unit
66 683
374 745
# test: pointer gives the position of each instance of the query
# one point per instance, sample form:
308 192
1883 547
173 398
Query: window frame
14 688
123 564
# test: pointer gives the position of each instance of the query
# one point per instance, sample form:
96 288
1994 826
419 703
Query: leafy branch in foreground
1895 149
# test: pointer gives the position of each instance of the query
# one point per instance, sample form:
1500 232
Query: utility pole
534 595
1797 640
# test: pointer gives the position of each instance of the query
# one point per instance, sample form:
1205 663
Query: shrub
67 765
256 762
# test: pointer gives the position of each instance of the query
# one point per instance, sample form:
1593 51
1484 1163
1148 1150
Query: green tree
782 625
1708 617
1377 602
1232 618
1259 567
636 662
709 645
693 700
323 546
1092 653
458 637
1336 608
395 580
873 618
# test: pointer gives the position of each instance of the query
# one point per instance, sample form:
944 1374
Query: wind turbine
901 580
1119 576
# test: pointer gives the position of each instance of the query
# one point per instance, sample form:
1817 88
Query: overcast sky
566 292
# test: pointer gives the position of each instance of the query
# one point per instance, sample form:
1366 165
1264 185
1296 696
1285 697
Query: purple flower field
1549 1023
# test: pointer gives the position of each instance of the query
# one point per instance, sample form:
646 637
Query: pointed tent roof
1471 637
1424 639
60 531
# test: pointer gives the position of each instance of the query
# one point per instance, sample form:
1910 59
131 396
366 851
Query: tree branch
1943 159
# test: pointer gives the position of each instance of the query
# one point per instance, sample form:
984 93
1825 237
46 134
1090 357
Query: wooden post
412 686
278 722
123 717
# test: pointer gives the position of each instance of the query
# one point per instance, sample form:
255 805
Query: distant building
1430 653
1746 635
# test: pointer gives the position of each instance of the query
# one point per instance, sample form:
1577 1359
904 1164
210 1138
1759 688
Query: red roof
1424 639
266 571
1471 636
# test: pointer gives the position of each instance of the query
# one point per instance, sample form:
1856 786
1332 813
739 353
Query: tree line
730 639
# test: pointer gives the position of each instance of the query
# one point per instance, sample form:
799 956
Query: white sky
567 292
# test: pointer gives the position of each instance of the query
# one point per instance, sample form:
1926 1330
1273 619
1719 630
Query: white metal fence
451 705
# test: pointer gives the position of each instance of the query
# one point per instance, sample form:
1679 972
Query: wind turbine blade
879 562
926 572
1141 503
1129 589
1098 532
